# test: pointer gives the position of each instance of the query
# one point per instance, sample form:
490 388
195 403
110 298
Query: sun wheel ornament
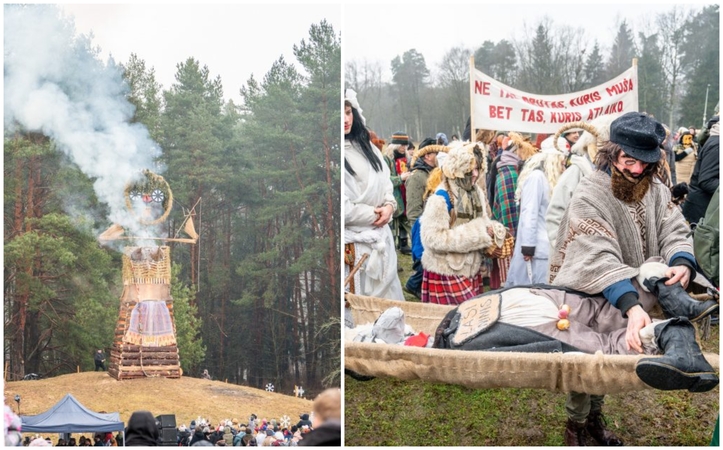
149 198
270 387
285 422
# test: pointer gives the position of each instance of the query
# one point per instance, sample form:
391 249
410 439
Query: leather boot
575 433
677 303
682 366
596 429
404 246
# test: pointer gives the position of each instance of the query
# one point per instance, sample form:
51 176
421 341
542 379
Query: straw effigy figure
145 335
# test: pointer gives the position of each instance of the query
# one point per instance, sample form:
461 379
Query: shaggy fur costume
453 250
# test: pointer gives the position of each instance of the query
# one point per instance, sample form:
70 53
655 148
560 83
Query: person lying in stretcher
553 319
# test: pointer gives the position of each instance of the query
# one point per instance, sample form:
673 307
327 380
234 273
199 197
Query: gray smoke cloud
56 85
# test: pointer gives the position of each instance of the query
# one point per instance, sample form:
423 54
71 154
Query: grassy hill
185 397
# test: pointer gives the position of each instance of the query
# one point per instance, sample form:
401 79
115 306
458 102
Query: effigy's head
149 199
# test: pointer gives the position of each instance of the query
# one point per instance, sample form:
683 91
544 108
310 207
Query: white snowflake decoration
270 387
298 391
285 421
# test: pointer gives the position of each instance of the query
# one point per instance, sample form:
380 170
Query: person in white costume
368 208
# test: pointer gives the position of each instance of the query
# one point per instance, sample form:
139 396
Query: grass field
391 412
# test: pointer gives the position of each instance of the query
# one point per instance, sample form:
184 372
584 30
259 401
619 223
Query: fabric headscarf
350 96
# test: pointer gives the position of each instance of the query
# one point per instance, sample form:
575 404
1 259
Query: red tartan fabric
449 290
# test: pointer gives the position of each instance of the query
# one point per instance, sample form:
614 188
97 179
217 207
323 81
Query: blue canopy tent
69 416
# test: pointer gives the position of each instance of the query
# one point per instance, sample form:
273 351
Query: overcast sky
232 40
383 32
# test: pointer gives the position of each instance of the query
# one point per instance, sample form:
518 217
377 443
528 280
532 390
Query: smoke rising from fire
56 85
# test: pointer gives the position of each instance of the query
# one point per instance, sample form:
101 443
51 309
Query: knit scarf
465 199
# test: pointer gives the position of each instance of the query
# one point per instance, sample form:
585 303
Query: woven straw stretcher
593 374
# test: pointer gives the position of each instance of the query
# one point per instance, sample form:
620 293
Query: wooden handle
356 268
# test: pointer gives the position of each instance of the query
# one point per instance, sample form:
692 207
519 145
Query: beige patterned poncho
602 240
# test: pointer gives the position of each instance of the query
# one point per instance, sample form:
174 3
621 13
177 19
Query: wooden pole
472 133
356 268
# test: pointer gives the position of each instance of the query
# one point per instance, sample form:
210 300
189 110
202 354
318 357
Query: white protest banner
496 106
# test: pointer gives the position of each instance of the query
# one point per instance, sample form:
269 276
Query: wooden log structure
146 276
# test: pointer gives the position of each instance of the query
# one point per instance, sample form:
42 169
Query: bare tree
671 26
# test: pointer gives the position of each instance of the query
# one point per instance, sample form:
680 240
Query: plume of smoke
55 84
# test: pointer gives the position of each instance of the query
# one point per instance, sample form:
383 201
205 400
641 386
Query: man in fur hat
619 217
425 160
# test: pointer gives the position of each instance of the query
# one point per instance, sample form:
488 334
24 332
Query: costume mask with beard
626 187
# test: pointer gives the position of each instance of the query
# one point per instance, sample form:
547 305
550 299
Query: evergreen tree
409 76
538 74
594 70
145 94
701 65
58 302
622 52
191 350
651 79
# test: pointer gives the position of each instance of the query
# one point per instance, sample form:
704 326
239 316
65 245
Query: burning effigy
145 334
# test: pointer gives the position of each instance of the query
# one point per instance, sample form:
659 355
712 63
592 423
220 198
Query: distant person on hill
99 360
206 375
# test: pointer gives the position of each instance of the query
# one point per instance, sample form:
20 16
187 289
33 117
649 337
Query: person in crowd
456 229
99 359
12 426
326 428
501 194
369 205
706 176
442 139
425 161
580 165
228 435
686 153
571 136
668 145
142 430
618 218
529 263
217 434
198 435
395 156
